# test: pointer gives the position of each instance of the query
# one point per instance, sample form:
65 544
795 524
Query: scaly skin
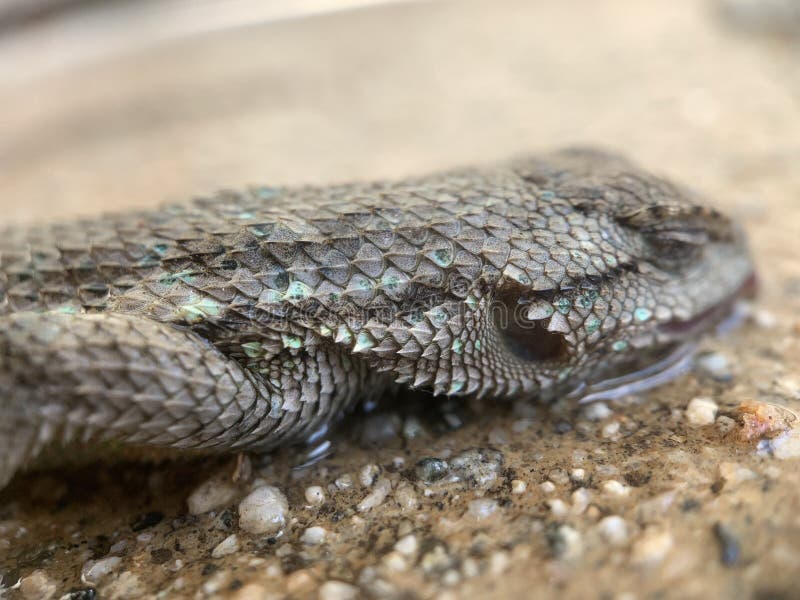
250 319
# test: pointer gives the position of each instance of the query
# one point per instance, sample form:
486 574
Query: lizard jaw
674 358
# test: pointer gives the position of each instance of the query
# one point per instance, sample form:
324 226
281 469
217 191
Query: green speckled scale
252 318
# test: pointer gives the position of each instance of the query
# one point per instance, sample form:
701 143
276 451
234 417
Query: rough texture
694 512
252 318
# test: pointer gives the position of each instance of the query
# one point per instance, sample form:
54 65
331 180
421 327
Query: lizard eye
527 338
675 250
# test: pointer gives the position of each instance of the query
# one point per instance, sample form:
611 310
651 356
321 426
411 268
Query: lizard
249 319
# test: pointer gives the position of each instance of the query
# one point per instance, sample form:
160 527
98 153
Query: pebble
368 474
95 570
548 487
338 590
227 546
394 561
580 500
518 486
597 411
37 586
612 487
314 536
406 497
652 547
376 497
558 507
263 510
407 545
344 482
714 365
431 469
566 542
211 494
701 412
480 467
315 495
610 430
499 562
250 591
481 508
577 475
613 529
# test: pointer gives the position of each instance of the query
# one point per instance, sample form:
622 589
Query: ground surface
635 499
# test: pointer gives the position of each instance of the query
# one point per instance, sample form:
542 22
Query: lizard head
625 272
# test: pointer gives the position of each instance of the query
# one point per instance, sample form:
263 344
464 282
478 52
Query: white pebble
94 570
227 546
118 547
263 510
613 487
572 542
369 474
406 497
407 545
610 430
597 411
558 507
315 495
499 562
613 529
338 590
376 497
580 500
314 536
482 508
577 475
518 486
652 547
701 412
394 561
211 494
548 487
344 482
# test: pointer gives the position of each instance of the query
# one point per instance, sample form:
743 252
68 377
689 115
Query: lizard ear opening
529 339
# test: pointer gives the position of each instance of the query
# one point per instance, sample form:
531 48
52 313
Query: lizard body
252 318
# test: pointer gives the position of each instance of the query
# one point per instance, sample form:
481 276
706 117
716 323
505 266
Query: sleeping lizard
250 319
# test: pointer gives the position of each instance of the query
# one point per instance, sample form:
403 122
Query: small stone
394 561
407 545
263 510
577 475
729 546
565 542
376 497
338 590
431 469
479 467
518 486
558 507
481 508
344 482
610 430
714 365
314 536
227 546
406 497
117 547
613 529
597 411
369 474
250 591
315 495
126 585
210 495
652 547
94 571
612 487
499 562
580 500
548 487
37 586
701 412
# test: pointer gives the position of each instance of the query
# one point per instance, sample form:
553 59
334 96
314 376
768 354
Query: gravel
264 510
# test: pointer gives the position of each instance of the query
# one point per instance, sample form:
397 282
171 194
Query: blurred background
109 104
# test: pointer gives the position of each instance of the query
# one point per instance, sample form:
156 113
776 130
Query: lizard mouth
673 357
